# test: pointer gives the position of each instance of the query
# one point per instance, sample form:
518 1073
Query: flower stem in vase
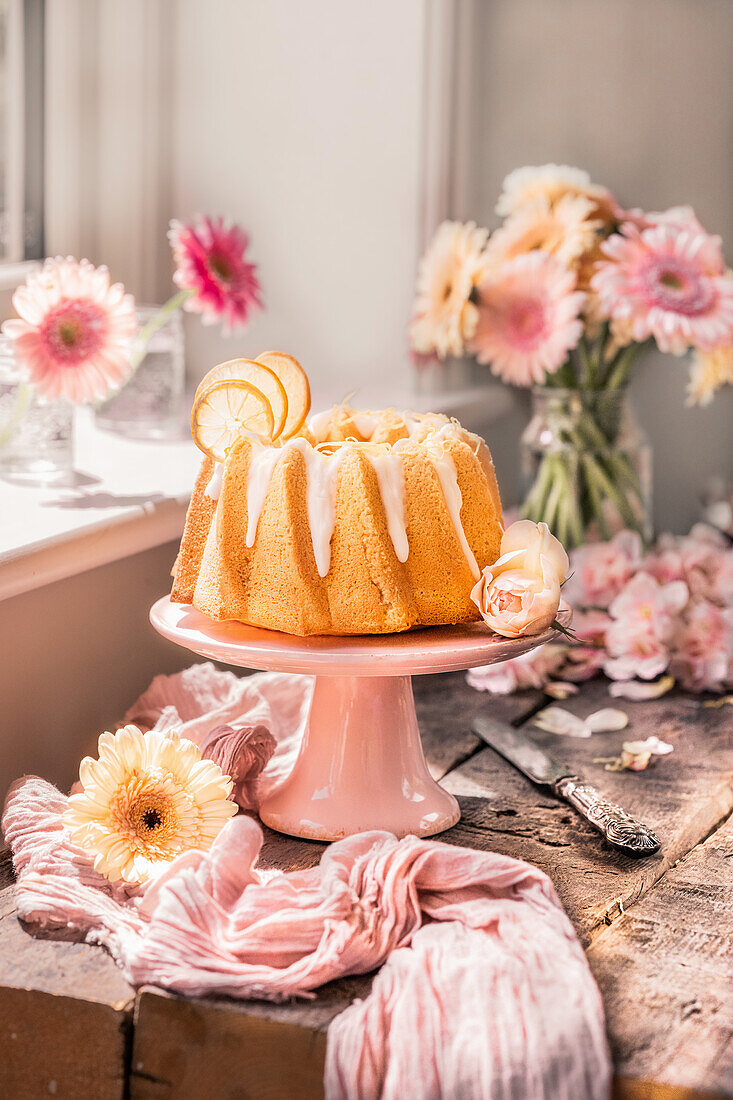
23 396
586 481
155 323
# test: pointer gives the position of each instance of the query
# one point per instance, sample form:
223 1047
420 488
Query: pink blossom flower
75 334
645 616
531 670
600 570
644 604
703 658
585 661
210 262
634 652
658 282
527 318
700 559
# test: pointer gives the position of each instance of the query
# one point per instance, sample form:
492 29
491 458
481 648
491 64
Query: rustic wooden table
657 932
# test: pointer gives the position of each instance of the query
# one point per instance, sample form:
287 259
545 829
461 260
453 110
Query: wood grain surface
657 931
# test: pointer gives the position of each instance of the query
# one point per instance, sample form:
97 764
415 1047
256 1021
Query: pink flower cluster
640 615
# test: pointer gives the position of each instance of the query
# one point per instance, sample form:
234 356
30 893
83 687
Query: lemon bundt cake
358 523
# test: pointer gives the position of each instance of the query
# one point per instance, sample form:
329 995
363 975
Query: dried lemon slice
225 412
295 381
258 375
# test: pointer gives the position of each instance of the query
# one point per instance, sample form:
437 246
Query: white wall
302 121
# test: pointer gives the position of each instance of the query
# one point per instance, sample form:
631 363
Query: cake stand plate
361 764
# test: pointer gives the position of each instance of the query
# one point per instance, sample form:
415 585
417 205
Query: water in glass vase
36 435
149 406
586 465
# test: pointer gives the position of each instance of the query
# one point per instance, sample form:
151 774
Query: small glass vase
149 405
36 434
586 465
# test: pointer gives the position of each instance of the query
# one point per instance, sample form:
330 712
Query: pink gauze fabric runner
484 990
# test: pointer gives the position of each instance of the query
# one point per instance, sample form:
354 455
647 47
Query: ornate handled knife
619 828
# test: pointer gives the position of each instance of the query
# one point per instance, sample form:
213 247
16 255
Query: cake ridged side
275 583
195 533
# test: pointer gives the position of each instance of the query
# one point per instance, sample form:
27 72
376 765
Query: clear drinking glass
36 434
149 405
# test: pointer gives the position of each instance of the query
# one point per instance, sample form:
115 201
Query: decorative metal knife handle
619 828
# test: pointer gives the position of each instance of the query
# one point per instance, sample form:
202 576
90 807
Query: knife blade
619 828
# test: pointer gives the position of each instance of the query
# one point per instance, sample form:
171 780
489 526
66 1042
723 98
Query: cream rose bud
535 540
515 603
520 593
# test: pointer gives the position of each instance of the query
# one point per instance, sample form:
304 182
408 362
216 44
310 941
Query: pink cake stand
361 764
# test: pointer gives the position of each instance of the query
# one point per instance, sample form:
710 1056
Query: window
21 130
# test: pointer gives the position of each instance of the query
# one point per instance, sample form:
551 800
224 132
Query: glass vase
36 434
149 405
586 465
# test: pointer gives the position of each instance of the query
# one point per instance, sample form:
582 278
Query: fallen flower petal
638 691
635 762
557 720
652 745
607 720
560 689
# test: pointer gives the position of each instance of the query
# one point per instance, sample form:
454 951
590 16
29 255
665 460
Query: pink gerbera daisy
683 218
211 265
659 283
75 333
527 318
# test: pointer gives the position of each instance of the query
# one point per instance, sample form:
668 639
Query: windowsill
124 497
127 496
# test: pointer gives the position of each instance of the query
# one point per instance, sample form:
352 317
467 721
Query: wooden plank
666 972
682 797
65 1013
446 707
187 1048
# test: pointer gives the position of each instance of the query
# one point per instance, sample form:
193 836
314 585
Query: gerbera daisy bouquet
565 295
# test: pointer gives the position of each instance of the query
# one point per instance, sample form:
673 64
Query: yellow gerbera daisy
567 230
710 370
524 186
443 317
147 798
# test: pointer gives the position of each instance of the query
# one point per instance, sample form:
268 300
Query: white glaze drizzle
322 480
261 465
322 475
365 423
213 488
391 479
445 468
319 424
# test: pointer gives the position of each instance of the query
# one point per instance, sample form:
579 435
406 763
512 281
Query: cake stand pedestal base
361 766
361 763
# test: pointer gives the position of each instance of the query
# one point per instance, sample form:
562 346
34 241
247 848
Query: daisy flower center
74 331
526 320
220 266
677 286
145 811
